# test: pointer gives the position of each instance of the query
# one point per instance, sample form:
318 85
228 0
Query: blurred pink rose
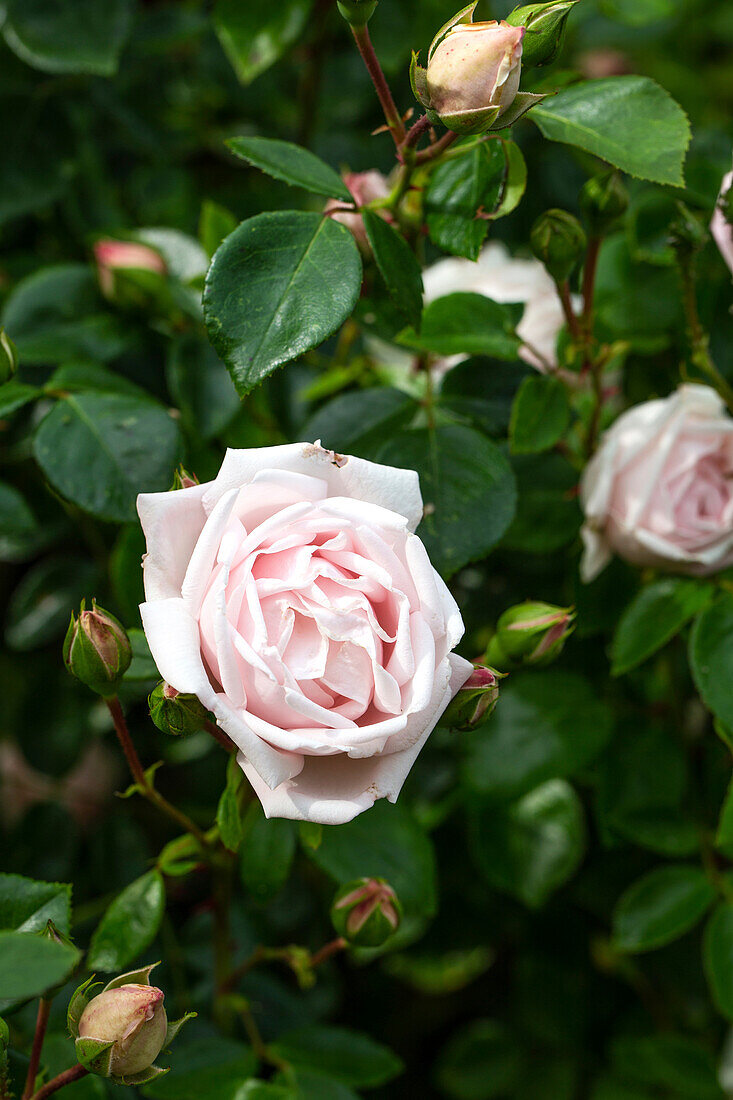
113 255
720 227
365 187
292 597
659 490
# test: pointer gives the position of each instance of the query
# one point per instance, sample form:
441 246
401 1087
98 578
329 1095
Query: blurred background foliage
509 853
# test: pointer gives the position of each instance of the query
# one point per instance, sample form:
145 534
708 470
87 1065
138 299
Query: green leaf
547 724
467 487
679 1064
267 853
660 907
358 422
101 450
532 846
711 657
718 957
229 810
30 964
308 1085
265 1090
483 390
256 34
548 515
57 314
82 37
466 323
277 287
349 1056
481 1061
291 163
212 1068
215 223
26 904
655 616
724 835
20 530
397 266
129 925
540 415
387 843
628 121
40 604
14 396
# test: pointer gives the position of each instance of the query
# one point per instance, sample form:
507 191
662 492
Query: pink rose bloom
292 597
365 187
659 489
113 255
720 227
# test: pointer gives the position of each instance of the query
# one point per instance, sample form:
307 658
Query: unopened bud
366 912
97 650
474 703
603 200
357 12
113 256
133 1019
545 29
534 633
182 479
175 713
558 240
8 357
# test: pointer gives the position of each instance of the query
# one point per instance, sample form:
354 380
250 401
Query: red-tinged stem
369 57
138 774
415 132
563 289
589 283
328 950
437 148
44 1008
65 1078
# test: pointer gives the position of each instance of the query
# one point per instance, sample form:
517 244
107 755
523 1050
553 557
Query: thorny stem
65 1078
415 132
369 57
328 950
437 148
44 1008
138 773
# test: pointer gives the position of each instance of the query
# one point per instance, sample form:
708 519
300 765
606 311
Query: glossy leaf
711 657
718 957
540 415
292 164
82 37
397 266
129 925
358 422
655 616
30 964
661 907
254 35
466 324
349 1056
27 905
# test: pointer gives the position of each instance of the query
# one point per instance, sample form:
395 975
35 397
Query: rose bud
473 74
545 26
357 12
534 633
366 912
182 479
112 256
174 712
559 241
8 357
474 703
603 200
365 187
97 650
120 1032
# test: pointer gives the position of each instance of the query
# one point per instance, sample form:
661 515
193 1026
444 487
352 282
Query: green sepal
79 1001
522 102
357 13
180 856
477 121
174 1026
95 1055
133 977
135 788
465 15
419 81
143 1076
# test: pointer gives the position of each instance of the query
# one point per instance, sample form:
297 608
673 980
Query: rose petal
172 523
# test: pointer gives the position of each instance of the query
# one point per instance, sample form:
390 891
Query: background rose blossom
659 490
292 597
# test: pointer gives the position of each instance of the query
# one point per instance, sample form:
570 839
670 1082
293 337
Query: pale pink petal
172 523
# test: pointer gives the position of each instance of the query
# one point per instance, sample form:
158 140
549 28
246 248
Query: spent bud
97 650
366 912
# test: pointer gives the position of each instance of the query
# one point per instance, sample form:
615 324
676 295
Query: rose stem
220 736
328 950
44 1008
138 774
65 1078
415 132
391 114
437 148
563 289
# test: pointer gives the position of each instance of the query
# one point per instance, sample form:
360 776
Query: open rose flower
659 490
292 597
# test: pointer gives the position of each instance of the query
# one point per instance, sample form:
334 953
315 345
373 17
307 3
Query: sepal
523 102
95 1055
174 1026
478 121
133 977
419 81
465 15
142 1078
79 1001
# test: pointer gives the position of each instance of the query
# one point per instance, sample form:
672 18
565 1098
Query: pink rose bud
131 1017
182 479
531 633
114 256
474 703
97 650
366 912
473 74
365 187
545 24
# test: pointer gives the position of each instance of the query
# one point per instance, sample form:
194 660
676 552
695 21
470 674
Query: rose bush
659 490
292 597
